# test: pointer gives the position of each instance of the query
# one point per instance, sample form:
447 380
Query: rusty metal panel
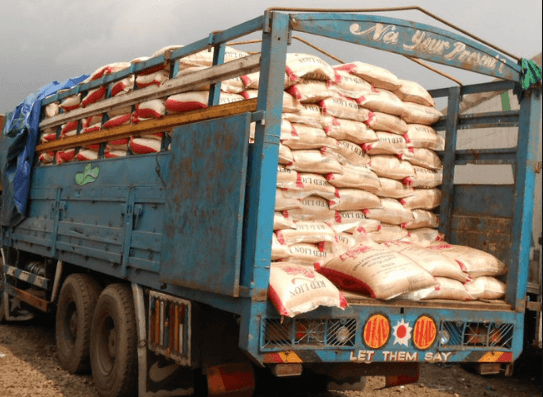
203 217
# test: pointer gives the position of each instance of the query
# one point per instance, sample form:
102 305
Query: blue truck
157 266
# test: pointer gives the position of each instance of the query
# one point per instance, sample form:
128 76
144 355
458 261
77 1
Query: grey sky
46 40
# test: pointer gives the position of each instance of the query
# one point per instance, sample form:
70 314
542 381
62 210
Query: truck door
203 217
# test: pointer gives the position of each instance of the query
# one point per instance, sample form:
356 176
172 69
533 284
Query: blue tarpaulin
18 144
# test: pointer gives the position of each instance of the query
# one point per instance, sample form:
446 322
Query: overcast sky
46 40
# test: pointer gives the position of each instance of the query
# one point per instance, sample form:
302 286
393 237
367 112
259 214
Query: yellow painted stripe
490 357
290 357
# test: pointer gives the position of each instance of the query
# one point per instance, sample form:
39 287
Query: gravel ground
29 367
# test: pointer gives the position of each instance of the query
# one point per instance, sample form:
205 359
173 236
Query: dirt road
29 367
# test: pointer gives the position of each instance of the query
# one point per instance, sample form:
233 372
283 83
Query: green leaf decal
89 175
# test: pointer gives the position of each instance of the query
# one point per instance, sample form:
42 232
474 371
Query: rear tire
75 308
113 349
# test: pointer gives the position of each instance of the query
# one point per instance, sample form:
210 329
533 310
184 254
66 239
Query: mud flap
410 373
167 378
234 379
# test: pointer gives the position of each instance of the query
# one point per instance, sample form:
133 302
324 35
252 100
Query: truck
157 266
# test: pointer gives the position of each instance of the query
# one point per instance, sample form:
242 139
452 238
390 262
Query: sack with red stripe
354 199
382 101
288 178
375 75
290 105
310 254
352 86
423 218
71 102
282 222
279 251
308 66
411 91
312 208
315 162
357 177
117 144
153 109
379 121
311 91
46 158
197 100
296 289
388 232
308 114
393 189
486 288
233 85
86 154
347 153
48 135
426 199
420 114
349 130
388 166
117 121
123 86
68 129
438 265
107 69
343 108
391 212
447 288
473 261
110 154
425 236
419 135
307 232
423 158
375 270
94 96
349 221
306 137
144 145
387 143
65 156
155 78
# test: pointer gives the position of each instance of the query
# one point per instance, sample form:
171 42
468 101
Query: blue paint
197 221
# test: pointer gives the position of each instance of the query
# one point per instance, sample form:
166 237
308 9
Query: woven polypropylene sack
423 158
354 199
307 232
392 212
296 289
315 162
389 166
422 219
356 177
347 153
377 76
349 221
344 108
420 114
349 130
376 271
486 288
473 261
447 288
411 91
379 121
436 264
312 208
426 199
419 135
387 143
393 189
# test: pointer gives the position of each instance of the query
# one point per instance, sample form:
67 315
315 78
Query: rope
390 9
434 70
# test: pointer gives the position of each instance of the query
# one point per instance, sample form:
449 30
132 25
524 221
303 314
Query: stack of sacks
325 152
399 112
48 134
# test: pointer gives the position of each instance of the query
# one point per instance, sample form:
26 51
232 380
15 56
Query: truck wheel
76 304
113 344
